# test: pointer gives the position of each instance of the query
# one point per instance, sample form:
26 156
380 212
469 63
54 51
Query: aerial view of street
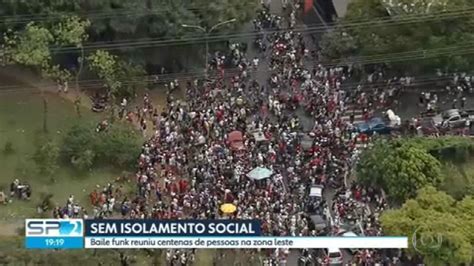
317 118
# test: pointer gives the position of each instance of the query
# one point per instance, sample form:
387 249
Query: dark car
374 125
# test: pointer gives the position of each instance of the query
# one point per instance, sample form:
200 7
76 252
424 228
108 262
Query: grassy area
13 253
21 122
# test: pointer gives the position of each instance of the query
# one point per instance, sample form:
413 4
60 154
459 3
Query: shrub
84 161
78 139
120 146
84 148
46 157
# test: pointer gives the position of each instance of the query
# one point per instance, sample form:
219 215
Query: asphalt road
407 108
408 103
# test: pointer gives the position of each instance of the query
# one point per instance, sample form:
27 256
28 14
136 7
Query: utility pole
81 66
207 32
45 112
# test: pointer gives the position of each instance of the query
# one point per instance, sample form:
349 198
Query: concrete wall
326 11
340 6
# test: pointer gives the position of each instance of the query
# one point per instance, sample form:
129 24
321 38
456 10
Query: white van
334 256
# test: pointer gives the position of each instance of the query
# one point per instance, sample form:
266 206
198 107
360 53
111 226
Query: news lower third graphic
54 233
213 234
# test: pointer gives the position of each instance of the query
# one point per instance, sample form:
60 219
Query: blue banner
173 228
54 242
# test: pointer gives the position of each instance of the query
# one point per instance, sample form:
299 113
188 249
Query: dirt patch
10 229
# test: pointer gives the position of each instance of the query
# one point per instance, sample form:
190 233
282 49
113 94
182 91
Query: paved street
408 103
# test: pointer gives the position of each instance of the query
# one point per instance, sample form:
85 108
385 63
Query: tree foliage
458 179
32 45
455 154
106 66
112 20
13 252
29 47
85 148
399 169
120 77
440 229
71 31
119 145
397 26
447 148
46 157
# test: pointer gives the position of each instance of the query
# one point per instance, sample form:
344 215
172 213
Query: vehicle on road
453 118
315 198
374 125
333 256
319 222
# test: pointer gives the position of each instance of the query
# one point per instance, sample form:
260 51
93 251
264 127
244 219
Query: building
324 11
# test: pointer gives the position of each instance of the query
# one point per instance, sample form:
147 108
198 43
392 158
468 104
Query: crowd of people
190 167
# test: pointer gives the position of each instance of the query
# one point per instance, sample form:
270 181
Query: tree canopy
400 169
436 33
440 229
128 20
84 148
120 77
33 45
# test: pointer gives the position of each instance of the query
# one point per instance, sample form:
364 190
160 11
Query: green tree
399 169
398 26
121 78
120 146
456 155
32 46
133 79
73 31
84 148
338 44
46 157
29 47
79 138
113 21
439 228
84 161
106 66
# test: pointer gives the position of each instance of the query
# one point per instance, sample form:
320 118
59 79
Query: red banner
308 5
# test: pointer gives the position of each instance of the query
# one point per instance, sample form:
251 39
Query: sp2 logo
425 240
53 227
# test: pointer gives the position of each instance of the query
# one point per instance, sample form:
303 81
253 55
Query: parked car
333 256
320 223
374 125
315 198
453 118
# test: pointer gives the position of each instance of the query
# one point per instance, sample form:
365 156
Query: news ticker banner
212 234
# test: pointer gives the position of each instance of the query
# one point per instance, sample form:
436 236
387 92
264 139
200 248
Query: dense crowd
294 125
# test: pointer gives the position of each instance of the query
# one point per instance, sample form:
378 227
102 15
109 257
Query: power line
418 81
160 42
146 11
111 12
457 50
